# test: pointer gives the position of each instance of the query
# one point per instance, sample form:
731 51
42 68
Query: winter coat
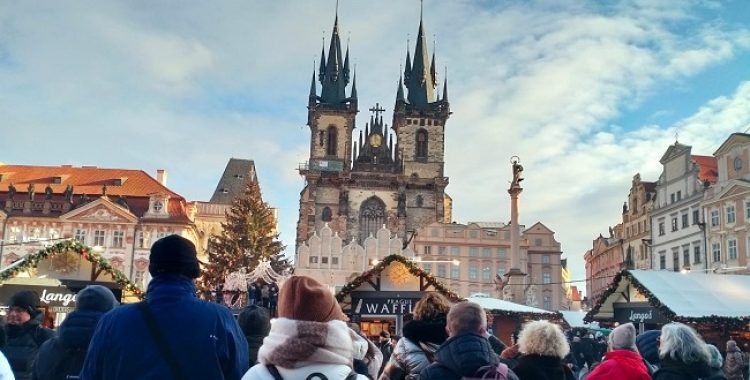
734 362
589 349
415 351
361 346
386 350
461 356
536 367
253 345
716 374
497 345
23 345
648 346
331 372
64 354
672 369
620 365
5 372
203 337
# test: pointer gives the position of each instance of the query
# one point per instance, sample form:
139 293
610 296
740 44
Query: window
686 255
324 260
421 148
13 234
714 218
139 278
53 234
696 216
674 224
675 261
473 272
80 235
501 254
685 222
696 254
427 249
730 215
671 198
545 259
441 250
36 234
661 228
313 259
546 278
662 261
332 141
501 272
486 252
506 235
747 211
99 237
143 239
538 242
716 250
428 267
473 251
326 214
486 273
335 260
547 302
679 195
118 239
455 272
371 218
732 249
455 251
441 270
473 234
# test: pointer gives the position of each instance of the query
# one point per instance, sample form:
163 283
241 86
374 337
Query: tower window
421 151
332 141
326 215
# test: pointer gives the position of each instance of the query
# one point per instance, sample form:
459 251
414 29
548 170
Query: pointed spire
354 81
346 63
313 90
433 72
322 69
420 84
335 75
445 86
407 68
400 91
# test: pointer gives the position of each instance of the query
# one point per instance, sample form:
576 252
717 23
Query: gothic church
389 176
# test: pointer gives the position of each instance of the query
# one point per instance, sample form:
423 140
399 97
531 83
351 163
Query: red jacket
620 365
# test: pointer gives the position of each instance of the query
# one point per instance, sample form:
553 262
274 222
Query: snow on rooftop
497 304
575 319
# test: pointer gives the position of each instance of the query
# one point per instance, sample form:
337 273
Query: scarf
295 344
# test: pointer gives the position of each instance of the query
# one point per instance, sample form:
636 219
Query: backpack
488 372
313 376
68 365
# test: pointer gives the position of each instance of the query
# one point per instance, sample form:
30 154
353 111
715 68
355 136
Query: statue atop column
517 171
11 191
68 194
30 189
48 193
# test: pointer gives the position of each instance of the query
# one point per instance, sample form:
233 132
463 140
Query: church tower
390 176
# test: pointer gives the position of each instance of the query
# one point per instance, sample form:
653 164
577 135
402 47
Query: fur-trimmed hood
431 331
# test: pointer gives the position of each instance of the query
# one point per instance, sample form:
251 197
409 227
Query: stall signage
624 313
384 306
50 296
63 297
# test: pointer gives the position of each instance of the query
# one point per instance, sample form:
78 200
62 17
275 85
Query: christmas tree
248 235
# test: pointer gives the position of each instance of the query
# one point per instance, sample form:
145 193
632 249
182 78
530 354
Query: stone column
516 276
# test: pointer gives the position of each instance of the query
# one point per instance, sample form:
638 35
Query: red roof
574 294
709 168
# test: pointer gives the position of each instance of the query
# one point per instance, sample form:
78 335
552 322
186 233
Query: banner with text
384 303
640 312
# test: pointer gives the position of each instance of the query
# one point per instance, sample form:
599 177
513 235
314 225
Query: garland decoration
552 315
410 265
740 322
31 261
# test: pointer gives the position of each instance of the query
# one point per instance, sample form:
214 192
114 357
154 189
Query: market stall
505 317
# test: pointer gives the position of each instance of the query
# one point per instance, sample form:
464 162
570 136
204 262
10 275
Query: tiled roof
574 294
232 183
709 168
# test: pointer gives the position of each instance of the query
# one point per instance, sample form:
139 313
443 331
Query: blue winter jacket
203 336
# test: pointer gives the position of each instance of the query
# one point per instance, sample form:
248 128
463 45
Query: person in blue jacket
203 338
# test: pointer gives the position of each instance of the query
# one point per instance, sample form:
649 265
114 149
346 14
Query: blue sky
587 93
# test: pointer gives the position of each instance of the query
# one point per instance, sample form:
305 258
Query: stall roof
497 304
575 319
690 296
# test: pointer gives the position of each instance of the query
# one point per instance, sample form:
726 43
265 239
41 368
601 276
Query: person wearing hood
647 344
367 356
64 354
682 354
422 337
733 362
255 324
467 353
543 346
25 333
715 364
622 361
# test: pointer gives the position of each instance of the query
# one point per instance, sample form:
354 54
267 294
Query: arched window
332 141
371 218
421 148
326 216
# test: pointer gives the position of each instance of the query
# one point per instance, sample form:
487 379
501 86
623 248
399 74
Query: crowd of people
175 335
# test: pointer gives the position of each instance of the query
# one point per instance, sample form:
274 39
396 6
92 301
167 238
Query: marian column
515 276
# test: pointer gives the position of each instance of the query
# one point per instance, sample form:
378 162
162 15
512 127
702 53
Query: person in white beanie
622 360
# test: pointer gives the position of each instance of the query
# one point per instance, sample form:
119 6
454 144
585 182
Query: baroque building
390 176
637 223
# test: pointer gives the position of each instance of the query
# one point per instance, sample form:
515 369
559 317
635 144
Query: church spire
354 82
336 70
445 86
420 83
313 89
400 91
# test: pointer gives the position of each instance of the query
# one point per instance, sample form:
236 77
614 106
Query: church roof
233 182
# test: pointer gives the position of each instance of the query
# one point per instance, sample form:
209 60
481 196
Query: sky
586 93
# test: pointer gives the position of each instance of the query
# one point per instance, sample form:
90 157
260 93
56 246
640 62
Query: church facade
359 179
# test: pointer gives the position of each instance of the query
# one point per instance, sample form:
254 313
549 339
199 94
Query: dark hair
385 334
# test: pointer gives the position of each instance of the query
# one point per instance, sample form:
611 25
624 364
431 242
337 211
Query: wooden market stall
506 318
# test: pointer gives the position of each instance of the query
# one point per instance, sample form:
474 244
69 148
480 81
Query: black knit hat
174 255
27 300
254 321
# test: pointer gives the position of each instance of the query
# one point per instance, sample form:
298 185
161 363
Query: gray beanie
96 298
623 337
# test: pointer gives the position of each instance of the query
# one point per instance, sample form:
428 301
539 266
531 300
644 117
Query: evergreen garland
72 246
248 235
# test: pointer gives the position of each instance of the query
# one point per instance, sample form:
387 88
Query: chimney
161 176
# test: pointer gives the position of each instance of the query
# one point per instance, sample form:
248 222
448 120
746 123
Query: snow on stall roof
698 294
575 319
497 304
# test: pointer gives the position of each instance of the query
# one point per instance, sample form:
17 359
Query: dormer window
239 176
224 190
158 206
119 181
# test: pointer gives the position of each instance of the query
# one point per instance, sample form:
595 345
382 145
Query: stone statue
84 199
531 296
68 194
104 190
30 189
48 193
420 200
11 191
343 202
122 201
401 201
517 170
